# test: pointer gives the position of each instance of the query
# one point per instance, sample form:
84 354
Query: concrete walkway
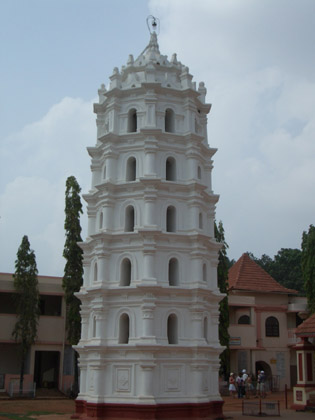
232 408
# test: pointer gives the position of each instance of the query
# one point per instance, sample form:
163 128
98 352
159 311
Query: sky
257 61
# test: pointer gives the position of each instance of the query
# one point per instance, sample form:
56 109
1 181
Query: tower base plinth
193 411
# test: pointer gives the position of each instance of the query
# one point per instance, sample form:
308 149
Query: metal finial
153 24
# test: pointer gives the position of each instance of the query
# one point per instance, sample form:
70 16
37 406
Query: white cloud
255 60
35 164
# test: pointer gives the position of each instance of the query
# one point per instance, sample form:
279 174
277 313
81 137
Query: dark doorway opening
270 381
46 371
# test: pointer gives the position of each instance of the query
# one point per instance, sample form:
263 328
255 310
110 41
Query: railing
28 390
260 408
292 339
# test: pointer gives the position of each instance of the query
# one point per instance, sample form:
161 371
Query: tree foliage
73 272
308 266
27 301
285 267
223 268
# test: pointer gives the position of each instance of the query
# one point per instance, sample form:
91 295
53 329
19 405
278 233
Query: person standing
262 384
258 384
232 387
239 383
244 380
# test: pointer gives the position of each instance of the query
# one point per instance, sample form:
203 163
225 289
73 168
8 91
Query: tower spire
153 24
152 49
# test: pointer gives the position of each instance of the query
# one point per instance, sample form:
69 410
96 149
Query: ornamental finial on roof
153 24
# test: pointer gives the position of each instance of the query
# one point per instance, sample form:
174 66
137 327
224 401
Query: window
131 169
101 220
173 277
199 172
272 327
132 121
244 319
171 219
95 272
50 305
170 169
104 172
169 121
125 272
172 329
94 327
205 329
129 219
123 329
200 221
7 303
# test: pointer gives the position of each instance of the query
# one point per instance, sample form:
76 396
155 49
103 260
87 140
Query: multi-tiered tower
149 346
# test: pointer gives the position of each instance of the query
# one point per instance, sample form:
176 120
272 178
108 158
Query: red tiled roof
307 328
245 274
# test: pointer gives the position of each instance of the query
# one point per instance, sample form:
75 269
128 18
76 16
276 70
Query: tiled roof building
247 275
263 318
307 329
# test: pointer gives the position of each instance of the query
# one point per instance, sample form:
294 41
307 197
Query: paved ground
232 408
61 409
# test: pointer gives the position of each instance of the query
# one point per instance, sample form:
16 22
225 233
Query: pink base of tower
205 411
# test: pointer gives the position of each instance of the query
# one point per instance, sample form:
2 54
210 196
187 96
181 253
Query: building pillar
91 221
107 215
196 324
147 383
148 265
111 166
149 211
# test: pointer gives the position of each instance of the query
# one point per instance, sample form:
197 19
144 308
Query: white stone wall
146 338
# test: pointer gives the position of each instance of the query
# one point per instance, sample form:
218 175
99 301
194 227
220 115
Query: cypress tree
308 266
73 272
27 302
223 268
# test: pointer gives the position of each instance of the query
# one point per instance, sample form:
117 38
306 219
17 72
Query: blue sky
257 60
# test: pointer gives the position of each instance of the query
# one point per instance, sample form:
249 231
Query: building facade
304 391
49 362
263 318
149 344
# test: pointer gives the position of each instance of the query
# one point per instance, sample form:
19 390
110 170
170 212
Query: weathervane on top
153 24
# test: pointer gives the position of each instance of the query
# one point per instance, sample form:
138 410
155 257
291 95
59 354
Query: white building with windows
263 318
149 344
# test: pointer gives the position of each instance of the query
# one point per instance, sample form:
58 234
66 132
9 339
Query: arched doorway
261 365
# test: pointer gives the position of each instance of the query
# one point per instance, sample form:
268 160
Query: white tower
149 346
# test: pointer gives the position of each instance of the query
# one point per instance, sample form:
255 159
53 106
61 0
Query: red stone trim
310 385
186 411
298 407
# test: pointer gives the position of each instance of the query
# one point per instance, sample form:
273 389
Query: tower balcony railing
292 338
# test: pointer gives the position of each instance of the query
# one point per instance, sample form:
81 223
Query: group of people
243 385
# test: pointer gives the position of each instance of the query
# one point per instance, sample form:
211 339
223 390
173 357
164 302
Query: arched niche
125 272
124 328
171 219
172 329
132 121
131 169
170 169
173 272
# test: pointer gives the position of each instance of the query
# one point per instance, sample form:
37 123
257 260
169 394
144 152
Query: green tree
285 268
223 269
27 302
308 266
73 272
